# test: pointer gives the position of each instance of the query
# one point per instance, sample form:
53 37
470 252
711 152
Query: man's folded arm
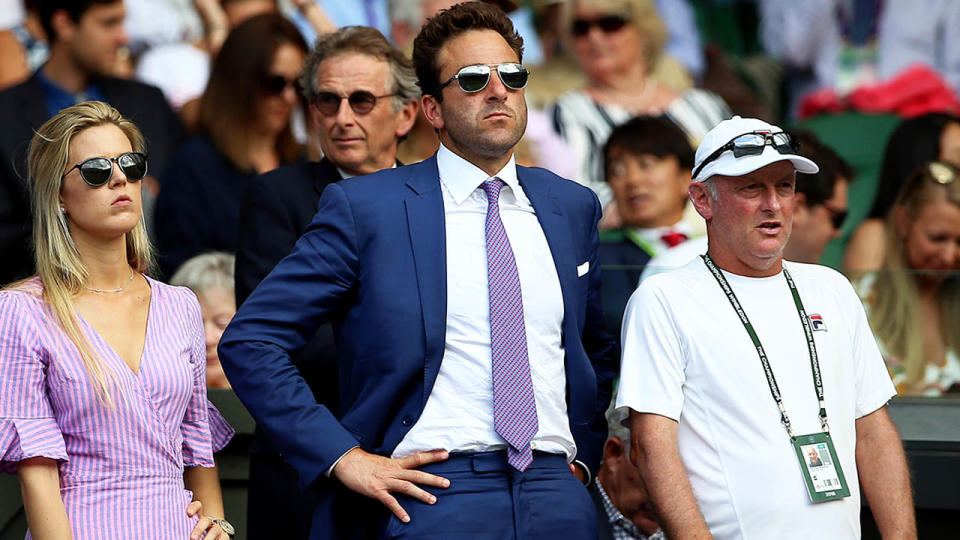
305 289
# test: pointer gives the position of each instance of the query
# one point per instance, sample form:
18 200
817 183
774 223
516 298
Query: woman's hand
205 528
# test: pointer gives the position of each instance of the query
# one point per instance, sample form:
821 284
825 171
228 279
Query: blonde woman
103 409
619 45
914 302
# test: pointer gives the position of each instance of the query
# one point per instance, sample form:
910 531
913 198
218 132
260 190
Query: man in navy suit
465 298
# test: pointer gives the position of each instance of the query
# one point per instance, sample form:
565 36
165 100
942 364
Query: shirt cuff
586 471
329 471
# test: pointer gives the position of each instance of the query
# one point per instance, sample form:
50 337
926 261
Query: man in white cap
738 364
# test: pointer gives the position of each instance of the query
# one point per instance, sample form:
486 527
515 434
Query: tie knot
492 188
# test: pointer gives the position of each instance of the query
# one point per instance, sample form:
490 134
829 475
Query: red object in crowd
916 90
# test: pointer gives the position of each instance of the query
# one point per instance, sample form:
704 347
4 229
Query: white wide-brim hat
728 165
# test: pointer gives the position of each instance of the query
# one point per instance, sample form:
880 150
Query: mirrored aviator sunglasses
97 171
475 78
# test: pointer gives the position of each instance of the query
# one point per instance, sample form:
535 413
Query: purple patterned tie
514 407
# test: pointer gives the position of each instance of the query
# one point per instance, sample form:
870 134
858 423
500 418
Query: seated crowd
220 124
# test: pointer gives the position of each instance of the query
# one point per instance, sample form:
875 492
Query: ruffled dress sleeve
28 427
204 429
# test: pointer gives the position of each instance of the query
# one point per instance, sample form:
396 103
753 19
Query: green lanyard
768 371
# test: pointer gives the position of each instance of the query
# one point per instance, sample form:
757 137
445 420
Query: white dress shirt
458 415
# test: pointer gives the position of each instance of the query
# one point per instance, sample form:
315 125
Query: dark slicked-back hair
818 187
655 135
449 24
74 8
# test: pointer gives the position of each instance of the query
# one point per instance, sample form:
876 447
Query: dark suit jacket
622 263
373 261
22 110
276 208
198 208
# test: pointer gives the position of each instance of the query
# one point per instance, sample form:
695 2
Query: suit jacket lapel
425 219
556 228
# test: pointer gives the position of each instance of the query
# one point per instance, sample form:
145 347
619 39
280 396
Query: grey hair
615 425
711 185
362 40
211 270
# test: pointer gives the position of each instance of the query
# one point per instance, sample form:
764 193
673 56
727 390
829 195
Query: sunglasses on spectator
752 144
360 101
475 78
837 217
97 171
275 84
608 24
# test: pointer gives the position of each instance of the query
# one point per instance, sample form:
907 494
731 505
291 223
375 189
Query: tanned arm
882 467
654 453
40 489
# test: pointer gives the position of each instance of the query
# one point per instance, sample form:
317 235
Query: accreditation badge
820 467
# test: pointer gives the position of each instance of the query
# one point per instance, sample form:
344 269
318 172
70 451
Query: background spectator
914 142
914 303
619 46
23 46
245 130
647 163
623 505
821 201
210 277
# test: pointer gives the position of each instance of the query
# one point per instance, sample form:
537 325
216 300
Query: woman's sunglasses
275 84
98 171
475 78
360 101
608 24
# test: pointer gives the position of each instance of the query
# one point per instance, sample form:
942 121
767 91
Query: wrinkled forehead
353 70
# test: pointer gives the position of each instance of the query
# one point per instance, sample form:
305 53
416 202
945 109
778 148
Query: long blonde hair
895 305
58 263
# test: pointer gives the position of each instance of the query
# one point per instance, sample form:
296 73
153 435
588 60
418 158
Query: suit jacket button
407 420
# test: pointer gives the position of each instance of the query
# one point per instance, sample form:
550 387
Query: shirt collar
462 177
614 516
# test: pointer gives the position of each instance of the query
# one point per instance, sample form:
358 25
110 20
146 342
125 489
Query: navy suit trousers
488 499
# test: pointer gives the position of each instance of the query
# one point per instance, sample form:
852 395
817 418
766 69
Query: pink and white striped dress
121 470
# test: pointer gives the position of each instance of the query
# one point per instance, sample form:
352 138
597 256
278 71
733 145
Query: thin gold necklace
118 289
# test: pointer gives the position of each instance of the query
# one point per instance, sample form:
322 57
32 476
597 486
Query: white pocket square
583 269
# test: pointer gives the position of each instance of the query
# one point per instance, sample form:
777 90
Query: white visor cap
727 165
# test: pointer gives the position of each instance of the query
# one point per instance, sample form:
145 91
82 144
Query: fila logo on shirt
816 321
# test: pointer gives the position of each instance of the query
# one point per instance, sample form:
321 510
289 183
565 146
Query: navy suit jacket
373 261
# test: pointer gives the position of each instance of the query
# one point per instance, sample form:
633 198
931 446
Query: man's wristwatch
225 525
